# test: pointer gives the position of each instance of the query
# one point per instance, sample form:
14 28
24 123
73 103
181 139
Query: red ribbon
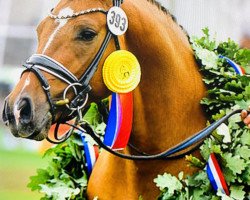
120 119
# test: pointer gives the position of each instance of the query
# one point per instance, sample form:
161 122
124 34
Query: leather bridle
38 63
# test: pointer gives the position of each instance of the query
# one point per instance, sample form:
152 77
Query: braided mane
166 11
162 8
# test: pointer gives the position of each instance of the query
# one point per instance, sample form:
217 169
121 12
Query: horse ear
121 72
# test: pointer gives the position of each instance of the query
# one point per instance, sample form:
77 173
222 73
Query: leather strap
169 153
45 85
53 66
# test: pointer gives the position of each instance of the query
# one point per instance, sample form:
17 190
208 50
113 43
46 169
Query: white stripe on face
62 22
26 83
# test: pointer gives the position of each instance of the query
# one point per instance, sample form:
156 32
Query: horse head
76 42
73 43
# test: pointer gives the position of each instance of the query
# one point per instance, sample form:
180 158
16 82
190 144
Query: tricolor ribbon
118 128
238 69
119 121
91 153
215 175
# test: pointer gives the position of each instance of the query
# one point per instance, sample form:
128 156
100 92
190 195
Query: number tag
117 21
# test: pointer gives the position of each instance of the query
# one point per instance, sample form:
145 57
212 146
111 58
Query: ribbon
215 175
123 135
119 124
113 121
238 69
117 131
91 154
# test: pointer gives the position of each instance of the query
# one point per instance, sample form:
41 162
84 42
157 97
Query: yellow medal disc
121 72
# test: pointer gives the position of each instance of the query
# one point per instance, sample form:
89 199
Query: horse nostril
25 109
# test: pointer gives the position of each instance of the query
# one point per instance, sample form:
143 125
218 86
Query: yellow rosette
121 72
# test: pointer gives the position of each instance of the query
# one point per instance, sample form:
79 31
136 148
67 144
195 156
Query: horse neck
166 102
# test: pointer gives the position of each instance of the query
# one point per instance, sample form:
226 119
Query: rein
81 87
169 153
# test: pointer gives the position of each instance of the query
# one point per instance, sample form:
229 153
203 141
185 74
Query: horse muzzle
20 119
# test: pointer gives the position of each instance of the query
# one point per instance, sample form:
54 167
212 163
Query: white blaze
26 83
62 22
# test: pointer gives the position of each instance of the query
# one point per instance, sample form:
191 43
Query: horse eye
86 35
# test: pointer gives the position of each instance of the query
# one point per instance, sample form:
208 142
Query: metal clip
79 114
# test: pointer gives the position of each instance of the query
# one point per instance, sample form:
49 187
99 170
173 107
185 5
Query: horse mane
163 9
167 12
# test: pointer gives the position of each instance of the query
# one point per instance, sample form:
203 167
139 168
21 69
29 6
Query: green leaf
246 176
41 178
209 146
195 162
235 163
243 104
247 92
245 138
93 116
229 175
169 182
199 194
223 196
237 192
243 152
208 58
199 179
59 191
